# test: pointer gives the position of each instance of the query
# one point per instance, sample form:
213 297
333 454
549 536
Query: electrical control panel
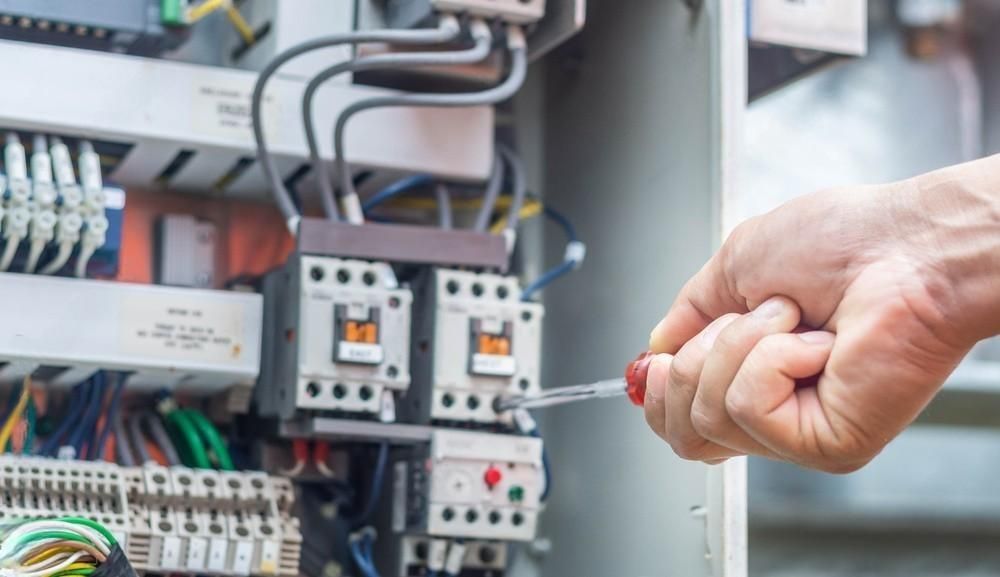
337 338
475 341
471 485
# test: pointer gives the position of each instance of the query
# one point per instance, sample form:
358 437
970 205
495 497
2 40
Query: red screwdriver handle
635 378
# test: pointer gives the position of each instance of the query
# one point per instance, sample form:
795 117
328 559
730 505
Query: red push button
493 476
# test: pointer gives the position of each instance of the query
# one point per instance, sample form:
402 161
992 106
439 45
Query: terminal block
208 522
337 339
35 487
474 341
169 520
470 485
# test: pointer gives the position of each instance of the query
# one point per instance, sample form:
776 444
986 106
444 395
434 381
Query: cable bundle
60 547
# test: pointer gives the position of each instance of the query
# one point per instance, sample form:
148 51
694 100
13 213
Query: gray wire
491 194
519 188
477 53
138 439
499 93
444 206
161 437
122 445
278 189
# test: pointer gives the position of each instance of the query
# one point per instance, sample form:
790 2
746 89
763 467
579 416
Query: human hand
901 279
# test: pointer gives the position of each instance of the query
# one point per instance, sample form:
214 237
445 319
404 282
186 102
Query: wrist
958 227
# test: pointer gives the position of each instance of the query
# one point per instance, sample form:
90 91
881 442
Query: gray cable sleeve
122 445
270 169
137 438
490 195
444 206
477 53
519 187
159 433
499 93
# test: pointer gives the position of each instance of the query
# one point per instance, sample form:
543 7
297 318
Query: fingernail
817 337
656 378
654 335
770 308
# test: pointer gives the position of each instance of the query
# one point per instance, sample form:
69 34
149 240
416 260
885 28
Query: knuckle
738 405
684 371
705 422
689 449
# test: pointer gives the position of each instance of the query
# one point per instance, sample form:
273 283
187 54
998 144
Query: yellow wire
48 554
15 416
416 203
204 9
529 210
240 24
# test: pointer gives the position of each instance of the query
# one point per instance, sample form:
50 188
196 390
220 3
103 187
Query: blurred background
926 95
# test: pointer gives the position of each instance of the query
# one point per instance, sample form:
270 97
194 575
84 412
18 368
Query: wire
76 403
268 165
491 194
211 436
531 209
138 439
123 448
187 440
113 410
519 188
96 390
478 52
15 416
378 479
395 189
572 260
31 416
499 93
444 206
241 26
159 433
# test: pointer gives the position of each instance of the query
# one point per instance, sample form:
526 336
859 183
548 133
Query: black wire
378 480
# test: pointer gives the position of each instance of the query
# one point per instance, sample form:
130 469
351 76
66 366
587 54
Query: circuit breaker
471 485
475 341
337 339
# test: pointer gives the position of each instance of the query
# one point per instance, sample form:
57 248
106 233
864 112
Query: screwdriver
633 384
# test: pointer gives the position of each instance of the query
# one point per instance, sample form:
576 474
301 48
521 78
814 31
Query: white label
197 548
218 549
387 407
170 553
438 555
114 198
224 111
363 353
269 551
183 328
831 25
400 471
243 558
494 365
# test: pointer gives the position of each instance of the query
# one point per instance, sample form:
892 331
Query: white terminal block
471 485
483 343
97 229
44 192
16 221
190 340
337 338
94 197
16 165
68 227
43 225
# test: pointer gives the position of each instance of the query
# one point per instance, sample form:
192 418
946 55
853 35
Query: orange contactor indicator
492 348
356 335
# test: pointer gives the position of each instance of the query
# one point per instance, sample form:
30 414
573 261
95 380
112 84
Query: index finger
706 297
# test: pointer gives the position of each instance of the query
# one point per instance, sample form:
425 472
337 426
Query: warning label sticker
225 112
182 328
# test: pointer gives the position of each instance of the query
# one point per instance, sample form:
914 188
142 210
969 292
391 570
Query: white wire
60 260
49 524
48 571
37 246
86 252
9 251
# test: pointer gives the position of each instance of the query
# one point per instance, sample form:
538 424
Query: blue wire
362 557
547 278
395 189
378 479
51 444
90 417
116 400
561 269
546 467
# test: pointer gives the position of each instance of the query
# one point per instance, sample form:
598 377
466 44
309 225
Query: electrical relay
475 341
471 485
337 338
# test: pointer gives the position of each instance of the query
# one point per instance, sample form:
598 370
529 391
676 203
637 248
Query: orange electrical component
361 332
494 345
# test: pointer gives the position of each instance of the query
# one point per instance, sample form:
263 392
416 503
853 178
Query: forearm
956 219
